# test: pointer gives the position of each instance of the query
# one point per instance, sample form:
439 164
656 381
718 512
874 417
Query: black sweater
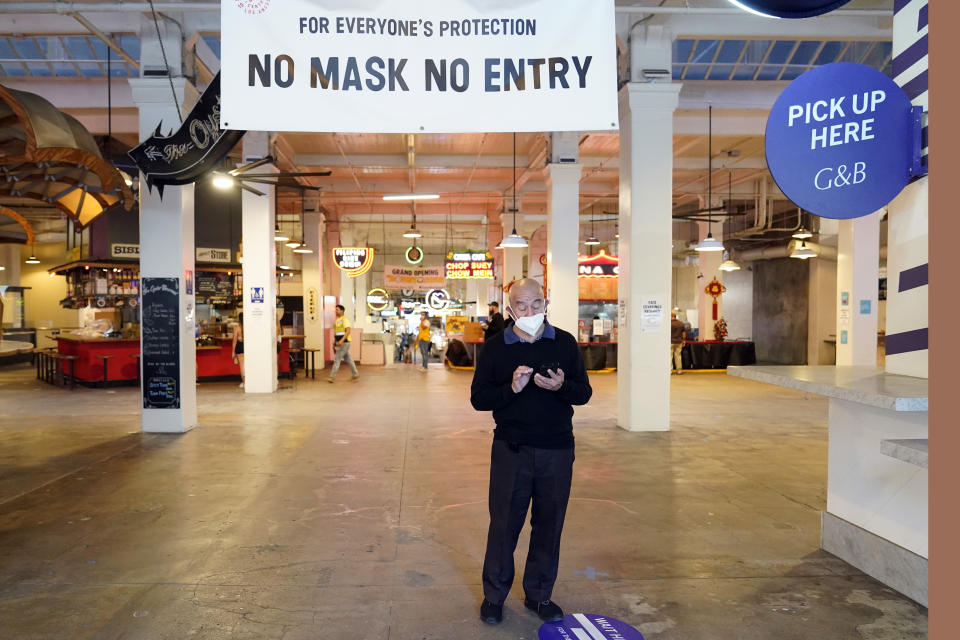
535 416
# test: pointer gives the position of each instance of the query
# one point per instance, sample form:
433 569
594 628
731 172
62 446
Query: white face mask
530 324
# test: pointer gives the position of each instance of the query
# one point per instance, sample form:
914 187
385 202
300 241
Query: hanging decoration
715 289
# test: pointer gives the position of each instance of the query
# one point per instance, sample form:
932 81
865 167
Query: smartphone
552 366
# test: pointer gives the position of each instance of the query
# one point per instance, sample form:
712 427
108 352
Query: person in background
238 345
530 375
423 339
341 345
678 334
495 325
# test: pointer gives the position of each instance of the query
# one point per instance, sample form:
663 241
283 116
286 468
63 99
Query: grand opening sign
427 66
843 140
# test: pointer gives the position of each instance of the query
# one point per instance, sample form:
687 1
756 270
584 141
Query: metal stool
63 375
137 356
313 363
293 363
106 362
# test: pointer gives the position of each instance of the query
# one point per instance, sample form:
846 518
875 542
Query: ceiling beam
107 40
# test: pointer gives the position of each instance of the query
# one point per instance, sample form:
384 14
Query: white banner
394 66
398 278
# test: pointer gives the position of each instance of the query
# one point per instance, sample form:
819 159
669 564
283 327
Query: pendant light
592 240
514 240
278 234
709 243
300 247
412 231
803 252
33 257
802 234
728 264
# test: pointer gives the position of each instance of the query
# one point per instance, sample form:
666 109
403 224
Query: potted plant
720 330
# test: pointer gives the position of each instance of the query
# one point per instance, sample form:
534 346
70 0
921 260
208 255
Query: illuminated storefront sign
410 279
414 255
378 299
600 265
466 265
438 299
354 261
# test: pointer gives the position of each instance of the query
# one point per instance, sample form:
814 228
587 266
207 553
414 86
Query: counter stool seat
63 375
313 362
137 356
293 362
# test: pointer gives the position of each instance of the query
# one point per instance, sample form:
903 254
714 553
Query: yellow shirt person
341 345
423 339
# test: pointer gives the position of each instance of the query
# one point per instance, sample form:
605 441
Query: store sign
466 265
790 8
354 261
313 304
118 250
438 299
600 265
431 66
213 255
588 626
414 255
843 140
378 299
194 149
410 279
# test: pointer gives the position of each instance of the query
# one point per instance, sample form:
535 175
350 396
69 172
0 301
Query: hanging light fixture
728 264
592 240
278 234
33 257
300 247
514 240
412 232
802 234
223 180
709 243
803 252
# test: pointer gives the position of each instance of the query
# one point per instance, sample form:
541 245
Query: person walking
237 347
423 339
530 376
678 334
341 345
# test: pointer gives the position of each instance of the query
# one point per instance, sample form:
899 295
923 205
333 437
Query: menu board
214 288
160 339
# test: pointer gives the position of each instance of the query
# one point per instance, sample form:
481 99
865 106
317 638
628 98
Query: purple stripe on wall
907 341
913 54
913 278
916 86
899 4
923 19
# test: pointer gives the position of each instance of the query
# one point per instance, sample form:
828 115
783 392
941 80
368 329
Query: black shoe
491 613
547 610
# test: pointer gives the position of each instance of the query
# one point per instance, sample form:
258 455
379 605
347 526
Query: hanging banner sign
184 155
410 279
395 66
355 261
843 140
790 8
467 265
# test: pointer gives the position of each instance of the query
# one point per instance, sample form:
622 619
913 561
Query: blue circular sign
789 8
588 626
839 140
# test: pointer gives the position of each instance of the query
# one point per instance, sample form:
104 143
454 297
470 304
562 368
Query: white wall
822 312
738 303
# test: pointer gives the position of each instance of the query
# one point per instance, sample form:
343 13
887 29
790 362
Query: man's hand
521 376
554 382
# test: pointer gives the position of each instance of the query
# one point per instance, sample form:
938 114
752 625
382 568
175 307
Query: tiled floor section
358 511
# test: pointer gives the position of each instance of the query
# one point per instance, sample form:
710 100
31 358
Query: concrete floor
358 511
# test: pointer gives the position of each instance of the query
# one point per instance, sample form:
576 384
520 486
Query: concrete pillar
709 268
11 260
259 276
471 306
563 236
311 265
646 230
167 251
512 258
858 277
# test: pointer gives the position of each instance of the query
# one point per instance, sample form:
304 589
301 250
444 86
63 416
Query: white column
709 267
563 234
512 258
259 276
646 230
167 251
858 277
311 265
471 297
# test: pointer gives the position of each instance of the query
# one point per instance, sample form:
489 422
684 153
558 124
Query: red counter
212 362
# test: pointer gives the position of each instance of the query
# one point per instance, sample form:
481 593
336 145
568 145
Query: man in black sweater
529 375
495 325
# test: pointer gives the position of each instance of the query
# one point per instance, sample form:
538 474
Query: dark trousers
519 474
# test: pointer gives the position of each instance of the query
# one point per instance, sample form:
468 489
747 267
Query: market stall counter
716 354
117 355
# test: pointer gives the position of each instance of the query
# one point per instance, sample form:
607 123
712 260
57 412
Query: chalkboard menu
160 330
214 288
